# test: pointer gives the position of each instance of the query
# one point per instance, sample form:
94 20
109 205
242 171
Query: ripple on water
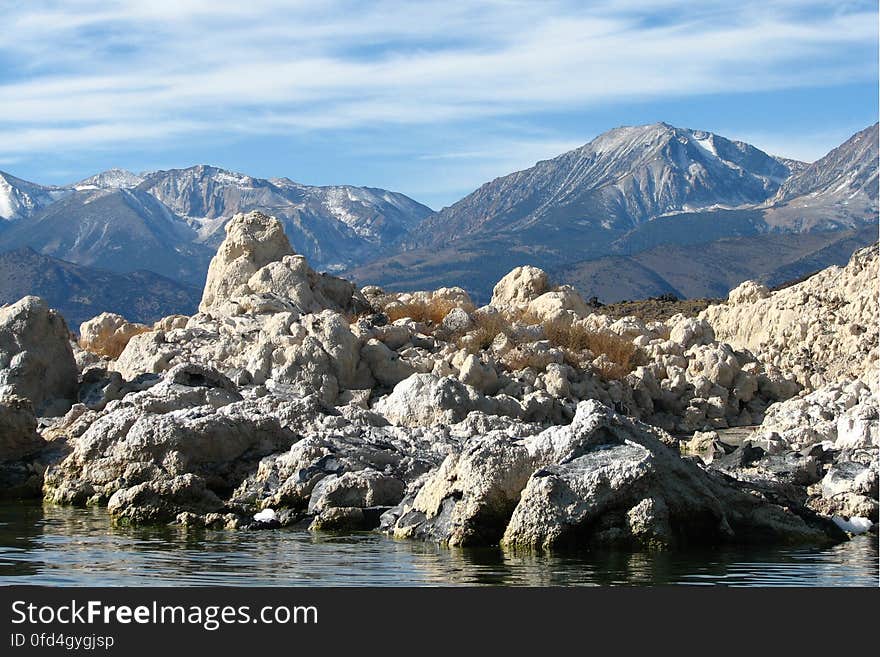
64 546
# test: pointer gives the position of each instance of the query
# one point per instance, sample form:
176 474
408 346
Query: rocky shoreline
292 397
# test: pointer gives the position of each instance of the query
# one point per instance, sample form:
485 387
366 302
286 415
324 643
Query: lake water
64 546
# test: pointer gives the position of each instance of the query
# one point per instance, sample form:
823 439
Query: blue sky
431 99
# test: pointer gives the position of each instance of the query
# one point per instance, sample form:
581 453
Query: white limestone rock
36 359
108 333
815 417
519 287
427 400
822 330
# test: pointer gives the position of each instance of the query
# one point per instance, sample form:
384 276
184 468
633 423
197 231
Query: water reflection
64 546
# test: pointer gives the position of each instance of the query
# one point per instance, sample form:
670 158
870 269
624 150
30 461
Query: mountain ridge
506 223
630 190
332 225
620 179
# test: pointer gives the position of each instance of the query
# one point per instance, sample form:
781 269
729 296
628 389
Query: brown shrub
428 312
519 359
621 355
486 329
569 336
524 316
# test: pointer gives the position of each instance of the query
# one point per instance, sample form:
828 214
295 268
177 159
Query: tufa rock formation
820 330
36 359
531 422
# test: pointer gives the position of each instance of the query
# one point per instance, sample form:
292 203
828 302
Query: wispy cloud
445 95
94 73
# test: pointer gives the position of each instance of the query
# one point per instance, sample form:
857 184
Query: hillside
80 293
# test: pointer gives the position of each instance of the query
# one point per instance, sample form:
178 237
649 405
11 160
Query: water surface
80 547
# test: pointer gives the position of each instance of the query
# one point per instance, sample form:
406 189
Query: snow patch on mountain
110 179
20 198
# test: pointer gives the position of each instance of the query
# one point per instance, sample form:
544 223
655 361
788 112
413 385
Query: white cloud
101 73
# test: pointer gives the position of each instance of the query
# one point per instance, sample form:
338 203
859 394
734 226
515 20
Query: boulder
149 438
297 284
146 353
849 488
519 287
689 331
479 375
610 480
557 303
469 499
36 359
859 426
252 241
162 500
457 321
427 400
108 333
385 365
716 362
361 489
18 429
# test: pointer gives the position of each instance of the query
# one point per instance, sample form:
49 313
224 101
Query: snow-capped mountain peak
110 179
622 178
20 198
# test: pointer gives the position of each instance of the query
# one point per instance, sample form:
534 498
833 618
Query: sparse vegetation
657 309
430 312
617 355
520 359
487 327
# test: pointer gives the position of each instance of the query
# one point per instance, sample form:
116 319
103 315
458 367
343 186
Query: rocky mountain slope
838 190
620 179
171 221
78 292
334 226
847 171
712 269
110 179
20 198
293 398
633 190
121 230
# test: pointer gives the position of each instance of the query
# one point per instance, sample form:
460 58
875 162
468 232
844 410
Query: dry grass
621 356
428 312
573 337
520 359
616 356
486 329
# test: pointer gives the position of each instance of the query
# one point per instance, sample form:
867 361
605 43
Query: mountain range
637 211
630 190
172 221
